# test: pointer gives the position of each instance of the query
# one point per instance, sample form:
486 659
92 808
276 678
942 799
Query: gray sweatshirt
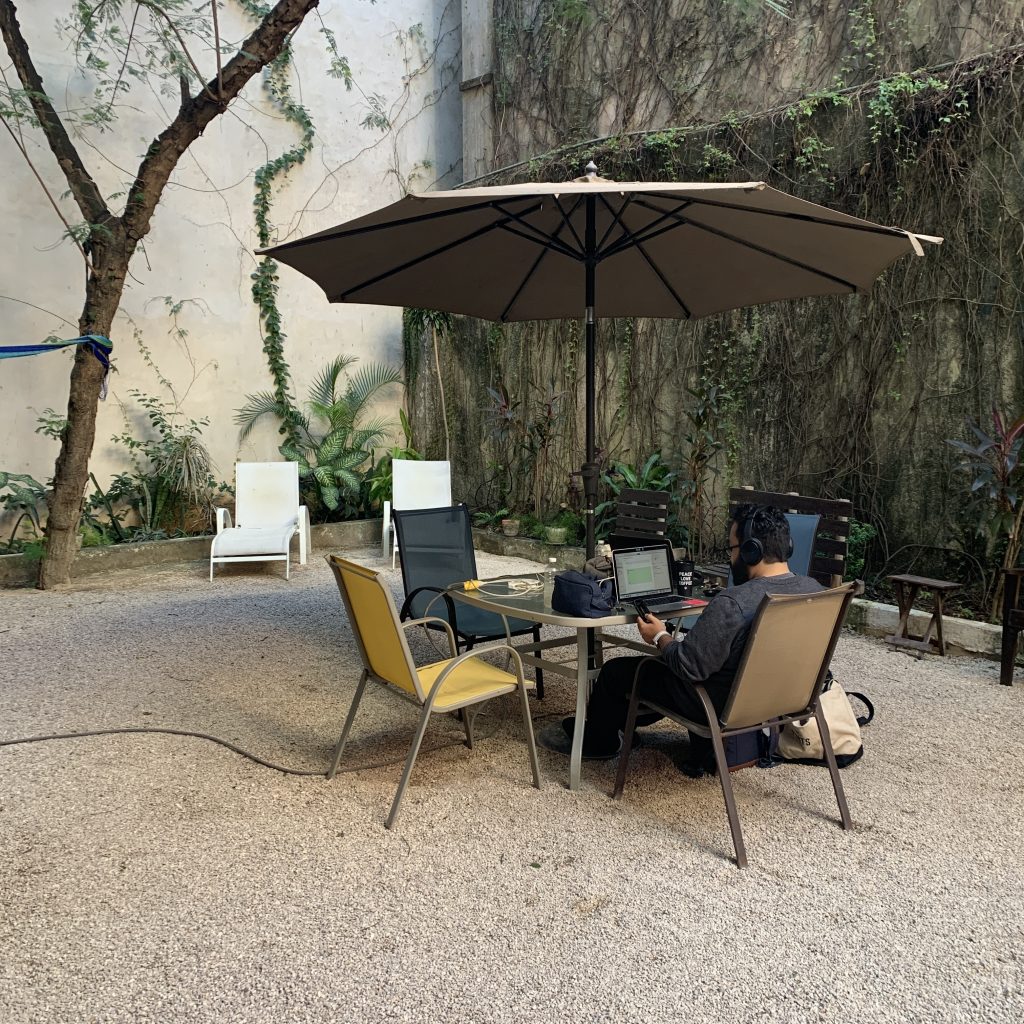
711 652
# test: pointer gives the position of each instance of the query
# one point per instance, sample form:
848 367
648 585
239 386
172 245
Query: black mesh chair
435 546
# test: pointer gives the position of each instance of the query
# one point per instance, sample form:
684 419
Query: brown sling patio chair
460 682
780 678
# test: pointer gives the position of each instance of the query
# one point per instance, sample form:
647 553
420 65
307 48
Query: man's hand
649 627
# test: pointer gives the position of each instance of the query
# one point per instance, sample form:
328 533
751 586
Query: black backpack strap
863 720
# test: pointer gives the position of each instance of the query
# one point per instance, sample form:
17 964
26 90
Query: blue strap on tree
97 344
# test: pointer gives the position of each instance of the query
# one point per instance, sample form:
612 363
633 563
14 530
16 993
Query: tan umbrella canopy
597 248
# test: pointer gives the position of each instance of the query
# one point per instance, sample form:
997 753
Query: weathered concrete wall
570 70
200 248
477 88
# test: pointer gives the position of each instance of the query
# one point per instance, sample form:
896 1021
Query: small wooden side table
907 588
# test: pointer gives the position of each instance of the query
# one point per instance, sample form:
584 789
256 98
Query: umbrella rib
402 222
875 229
610 228
566 220
683 221
643 252
526 279
343 296
539 236
545 242
629 239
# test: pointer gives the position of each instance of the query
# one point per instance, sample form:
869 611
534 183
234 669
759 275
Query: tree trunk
103 296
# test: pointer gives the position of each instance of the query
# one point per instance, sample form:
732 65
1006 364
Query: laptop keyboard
654 602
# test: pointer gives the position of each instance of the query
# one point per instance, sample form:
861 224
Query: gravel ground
165 878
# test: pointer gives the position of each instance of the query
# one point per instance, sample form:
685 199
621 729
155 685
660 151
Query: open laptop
645 574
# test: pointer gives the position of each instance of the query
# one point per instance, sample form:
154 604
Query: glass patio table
535 606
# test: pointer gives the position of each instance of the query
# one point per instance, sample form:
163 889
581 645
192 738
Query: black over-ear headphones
751 549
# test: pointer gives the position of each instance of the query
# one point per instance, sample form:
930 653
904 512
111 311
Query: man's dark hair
769 525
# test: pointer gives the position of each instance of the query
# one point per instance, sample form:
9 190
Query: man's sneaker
597 749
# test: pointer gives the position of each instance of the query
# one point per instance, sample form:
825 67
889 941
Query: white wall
200 246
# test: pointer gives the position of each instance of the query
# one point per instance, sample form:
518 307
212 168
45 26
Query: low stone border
18 571
876 619
869 617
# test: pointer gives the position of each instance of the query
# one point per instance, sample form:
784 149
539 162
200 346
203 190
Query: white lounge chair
414 484
269 515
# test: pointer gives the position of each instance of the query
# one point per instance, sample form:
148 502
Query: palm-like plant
331 442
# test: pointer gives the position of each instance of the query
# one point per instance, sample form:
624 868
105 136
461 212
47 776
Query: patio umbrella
600 248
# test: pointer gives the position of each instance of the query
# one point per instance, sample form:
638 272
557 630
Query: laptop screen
641 572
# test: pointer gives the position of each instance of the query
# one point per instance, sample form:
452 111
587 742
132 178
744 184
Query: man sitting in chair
759 546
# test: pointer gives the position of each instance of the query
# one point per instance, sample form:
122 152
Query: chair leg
340 747
1006 662
730 800
531 744
833 768
468 719
724 778
538 673
211 568
410 761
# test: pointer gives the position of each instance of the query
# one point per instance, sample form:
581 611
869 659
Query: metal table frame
536 607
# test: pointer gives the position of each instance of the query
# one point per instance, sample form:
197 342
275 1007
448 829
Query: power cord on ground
234 748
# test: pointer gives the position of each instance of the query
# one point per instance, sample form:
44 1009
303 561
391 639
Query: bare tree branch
253 55
83 188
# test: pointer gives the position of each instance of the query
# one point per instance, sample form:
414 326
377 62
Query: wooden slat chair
828 560
1013 622
780 679
641 517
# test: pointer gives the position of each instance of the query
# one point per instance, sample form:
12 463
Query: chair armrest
407 606
385 533
478 652
452 646
223 520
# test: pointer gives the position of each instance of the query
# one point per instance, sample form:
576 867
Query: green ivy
264 278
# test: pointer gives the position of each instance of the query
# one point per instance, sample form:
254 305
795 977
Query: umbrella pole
590 466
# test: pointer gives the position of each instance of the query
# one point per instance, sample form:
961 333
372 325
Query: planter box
18 571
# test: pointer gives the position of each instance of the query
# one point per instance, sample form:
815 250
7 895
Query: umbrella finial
591 169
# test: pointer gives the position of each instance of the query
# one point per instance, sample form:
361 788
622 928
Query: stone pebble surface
165 878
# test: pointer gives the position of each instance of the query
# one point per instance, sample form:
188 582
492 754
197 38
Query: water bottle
549 579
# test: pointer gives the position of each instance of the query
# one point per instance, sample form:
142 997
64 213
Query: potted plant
564 526
555 534
510 527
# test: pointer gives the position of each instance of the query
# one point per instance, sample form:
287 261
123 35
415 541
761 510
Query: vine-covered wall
836 397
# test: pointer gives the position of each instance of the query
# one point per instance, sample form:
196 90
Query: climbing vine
264 277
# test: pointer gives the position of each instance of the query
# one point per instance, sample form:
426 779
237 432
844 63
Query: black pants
609 701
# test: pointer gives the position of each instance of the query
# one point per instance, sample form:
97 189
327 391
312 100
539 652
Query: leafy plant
491 520
861 536
22 499
654 475
994 464
380 479
572 522
331 445
178 474
525 439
